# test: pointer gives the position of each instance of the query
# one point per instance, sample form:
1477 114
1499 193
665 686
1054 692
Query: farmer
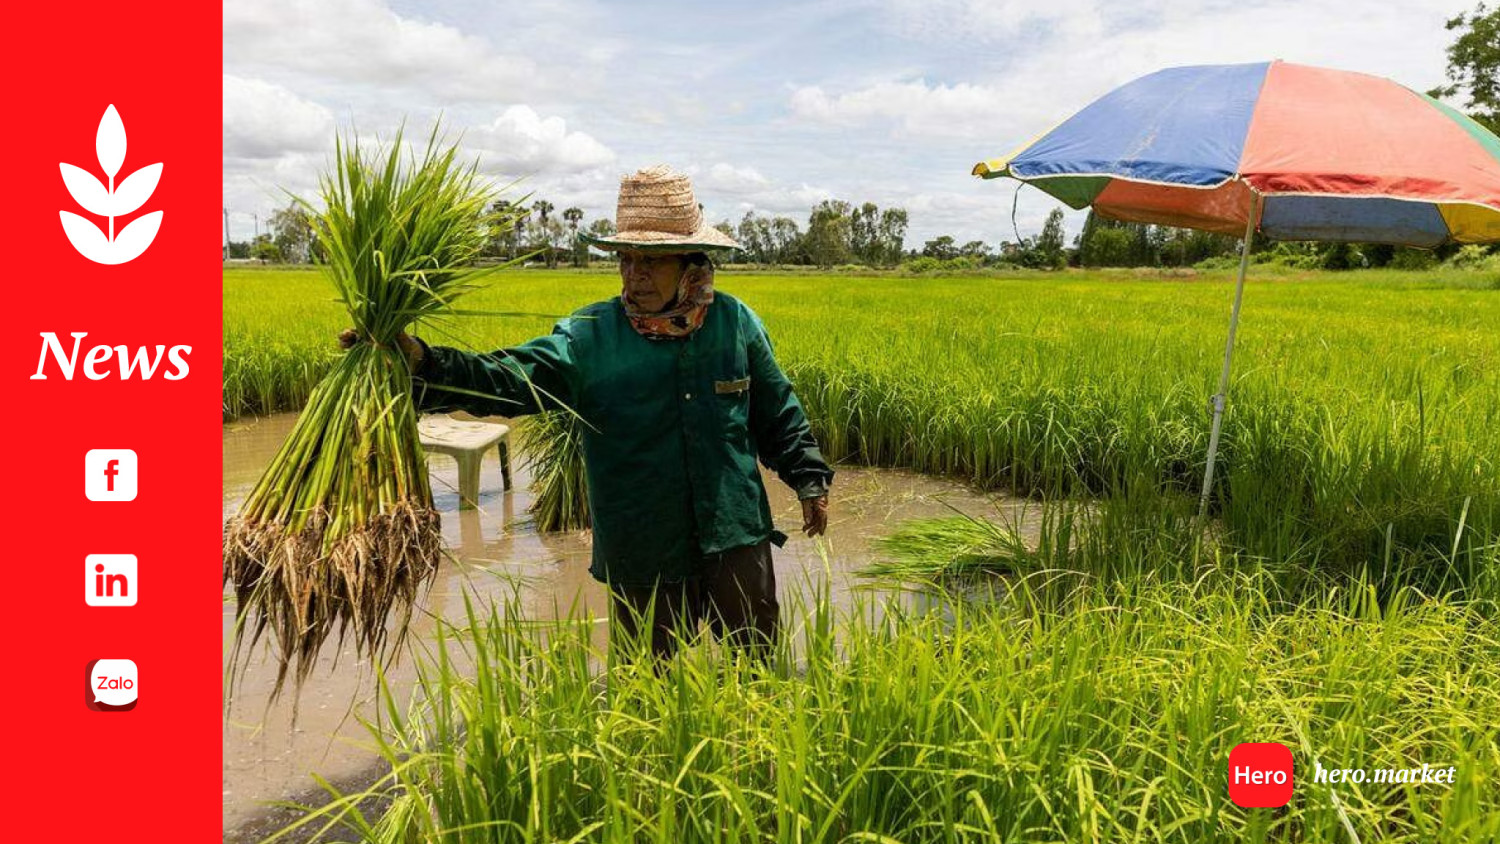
680 394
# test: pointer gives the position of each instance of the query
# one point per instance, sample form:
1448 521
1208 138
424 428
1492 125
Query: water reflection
497 555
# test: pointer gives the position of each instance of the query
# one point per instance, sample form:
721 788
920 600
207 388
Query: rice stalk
340 532
553 445
1108 719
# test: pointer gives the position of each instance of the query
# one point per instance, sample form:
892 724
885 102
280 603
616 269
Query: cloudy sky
771 106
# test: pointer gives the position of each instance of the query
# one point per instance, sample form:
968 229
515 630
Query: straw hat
658 213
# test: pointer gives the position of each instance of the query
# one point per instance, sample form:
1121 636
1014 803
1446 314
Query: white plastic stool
466 442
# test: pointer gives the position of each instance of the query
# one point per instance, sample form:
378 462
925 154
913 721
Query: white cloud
1061 55
1016 86
728 179
793 201
796 199
274 143
946 21
912 107
365 42
728 191
263 121
522 142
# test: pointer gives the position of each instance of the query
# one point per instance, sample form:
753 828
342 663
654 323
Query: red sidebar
112 360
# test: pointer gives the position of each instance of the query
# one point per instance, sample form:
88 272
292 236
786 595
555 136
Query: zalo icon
114 685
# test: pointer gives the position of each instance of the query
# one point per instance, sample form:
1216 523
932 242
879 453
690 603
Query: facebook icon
109 474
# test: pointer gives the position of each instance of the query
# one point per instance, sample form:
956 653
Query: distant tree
864 233
754 235
1026 254
239 249
941 248
1144 245
545 233
504 230
1051 242
975 249
521 231
1474 64
736 256
1186 247
1107 247
292 232
552 240
1112 243
1340 256
600 228
786 242
539 235
1407 258
264 249
891 236
828 233
1377 254
1085 240
574 216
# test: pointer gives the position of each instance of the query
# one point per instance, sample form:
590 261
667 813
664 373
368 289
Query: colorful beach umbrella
1292 151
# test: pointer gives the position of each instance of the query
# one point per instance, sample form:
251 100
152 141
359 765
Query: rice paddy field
1341 602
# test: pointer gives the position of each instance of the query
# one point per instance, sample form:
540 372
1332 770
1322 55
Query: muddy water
501 557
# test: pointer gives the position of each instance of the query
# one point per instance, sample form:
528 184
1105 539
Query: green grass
1364 419
1343 603
1110 720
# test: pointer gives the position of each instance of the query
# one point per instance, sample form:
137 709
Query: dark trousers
735 594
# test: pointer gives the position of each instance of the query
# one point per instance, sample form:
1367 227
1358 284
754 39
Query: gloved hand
410 348
815 515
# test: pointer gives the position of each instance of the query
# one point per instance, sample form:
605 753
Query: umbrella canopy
1332 155
1296 152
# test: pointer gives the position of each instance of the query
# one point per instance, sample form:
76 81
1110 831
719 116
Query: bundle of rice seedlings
340 532
553 445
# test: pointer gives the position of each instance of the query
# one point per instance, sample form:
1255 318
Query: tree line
836 232
839 233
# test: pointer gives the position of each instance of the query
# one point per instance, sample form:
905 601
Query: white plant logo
110 201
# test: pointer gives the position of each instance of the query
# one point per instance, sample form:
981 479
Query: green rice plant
1140 534
1364 417
340 531
1108 719
948 547
552 446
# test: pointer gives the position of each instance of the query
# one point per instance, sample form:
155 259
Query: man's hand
409 347
815 515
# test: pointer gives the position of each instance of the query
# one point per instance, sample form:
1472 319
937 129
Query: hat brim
704 239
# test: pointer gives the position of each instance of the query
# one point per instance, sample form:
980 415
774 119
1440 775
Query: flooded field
499 556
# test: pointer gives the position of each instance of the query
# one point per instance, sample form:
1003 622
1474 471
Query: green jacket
680 422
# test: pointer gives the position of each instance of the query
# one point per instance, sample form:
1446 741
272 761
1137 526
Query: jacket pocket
732 387
732 403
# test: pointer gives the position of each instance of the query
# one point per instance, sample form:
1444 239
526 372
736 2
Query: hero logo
111 202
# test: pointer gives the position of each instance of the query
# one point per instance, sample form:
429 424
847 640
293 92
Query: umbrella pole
1221 397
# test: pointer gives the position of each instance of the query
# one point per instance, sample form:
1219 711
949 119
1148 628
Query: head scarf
685 313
